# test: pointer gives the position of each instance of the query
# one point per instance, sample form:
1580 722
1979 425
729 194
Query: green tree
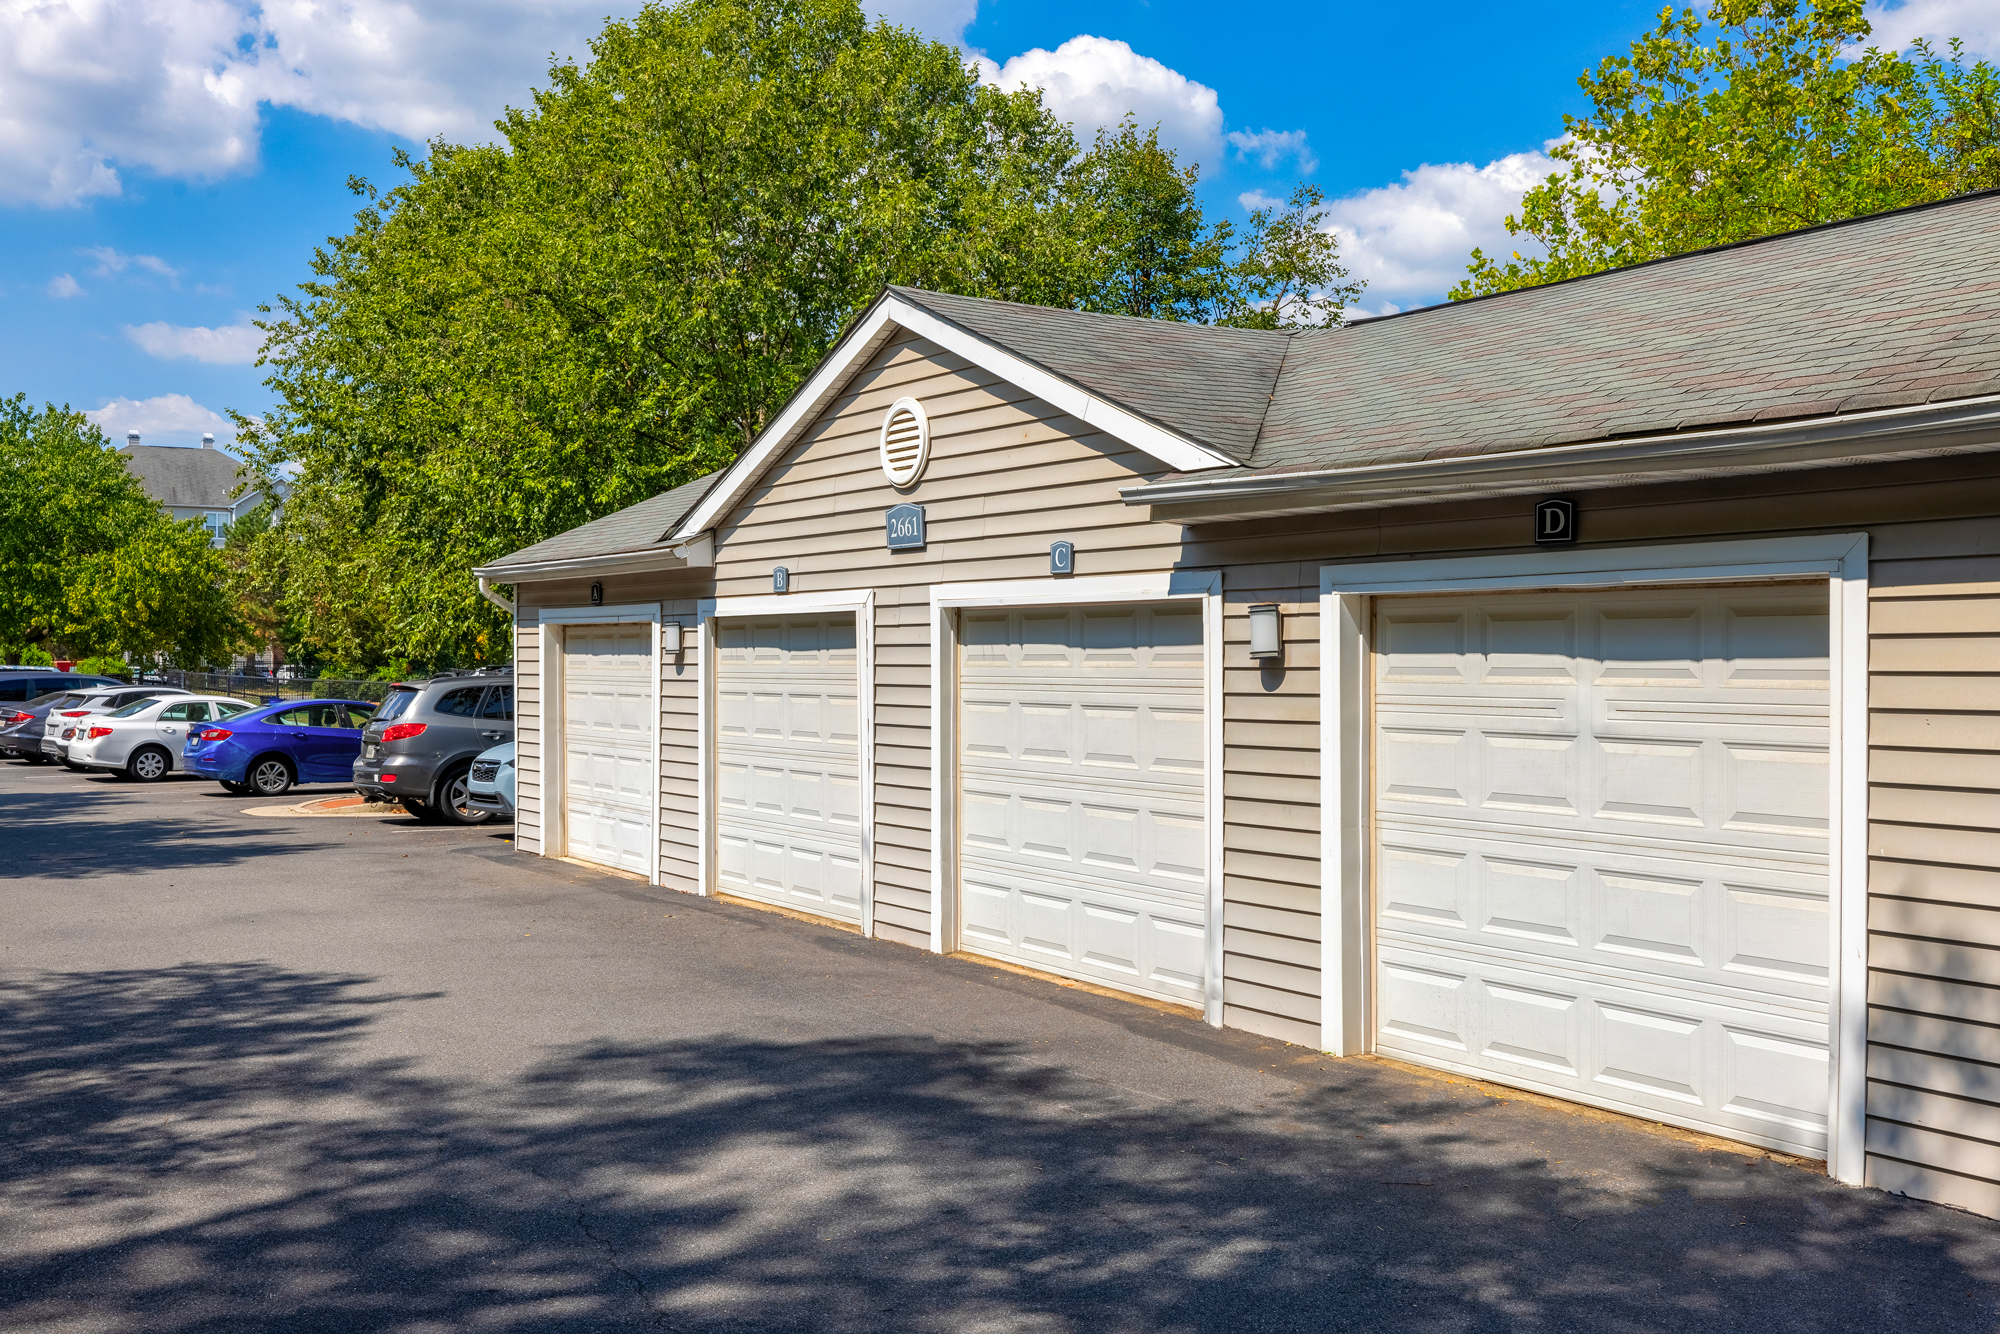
87 559
1762 119
527 336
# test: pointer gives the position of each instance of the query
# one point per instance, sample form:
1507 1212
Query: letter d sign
1555 522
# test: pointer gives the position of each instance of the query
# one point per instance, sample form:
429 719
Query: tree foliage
87 559
1766 117
613 301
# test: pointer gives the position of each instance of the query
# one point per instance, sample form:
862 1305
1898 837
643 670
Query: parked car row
443 748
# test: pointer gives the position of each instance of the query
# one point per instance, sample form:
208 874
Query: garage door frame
1346 593
555 811
860 602
1170 586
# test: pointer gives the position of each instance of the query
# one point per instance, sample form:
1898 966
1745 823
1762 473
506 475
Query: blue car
266 750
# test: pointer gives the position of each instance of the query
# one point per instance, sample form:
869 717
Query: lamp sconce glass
671 641
1266 643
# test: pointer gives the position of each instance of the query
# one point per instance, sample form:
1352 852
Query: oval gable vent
906 441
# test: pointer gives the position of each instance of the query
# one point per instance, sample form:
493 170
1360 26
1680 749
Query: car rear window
460 703
396 705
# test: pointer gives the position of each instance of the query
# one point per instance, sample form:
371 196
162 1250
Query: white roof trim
1175 451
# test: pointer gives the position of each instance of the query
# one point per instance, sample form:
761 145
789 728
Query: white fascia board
1176 452
1887 435
1154 587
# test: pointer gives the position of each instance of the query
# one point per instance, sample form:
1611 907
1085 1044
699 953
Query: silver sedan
143 739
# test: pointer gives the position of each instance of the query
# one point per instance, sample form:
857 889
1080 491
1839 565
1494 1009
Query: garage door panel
1688 1059
1600 860
787 766
1082 819
609 776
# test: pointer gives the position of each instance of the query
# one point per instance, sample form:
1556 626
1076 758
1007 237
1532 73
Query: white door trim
555 810
1344 593
1168 586
860 601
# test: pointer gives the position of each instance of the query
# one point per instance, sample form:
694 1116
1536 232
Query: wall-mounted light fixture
671 642
1266 643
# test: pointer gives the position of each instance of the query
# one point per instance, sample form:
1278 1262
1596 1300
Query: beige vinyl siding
527 729
680 755
1934 841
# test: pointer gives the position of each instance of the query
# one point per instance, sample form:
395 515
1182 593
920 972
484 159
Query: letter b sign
1555 522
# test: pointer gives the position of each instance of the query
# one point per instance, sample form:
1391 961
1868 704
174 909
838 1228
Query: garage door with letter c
1601 849
1080 749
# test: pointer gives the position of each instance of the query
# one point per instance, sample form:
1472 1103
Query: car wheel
422 811
455 799
36 759
233 789
149 764
271 777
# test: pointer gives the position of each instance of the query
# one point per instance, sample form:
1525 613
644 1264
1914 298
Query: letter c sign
1555 522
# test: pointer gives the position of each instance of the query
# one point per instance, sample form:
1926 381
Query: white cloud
91 87
1270 147
1252 200
110 261
1095 82
62 287
231 345
1411 240
170 419
1976 21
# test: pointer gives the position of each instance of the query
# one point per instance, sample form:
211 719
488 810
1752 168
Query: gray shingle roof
634 528
1900 308
185 478
1208 384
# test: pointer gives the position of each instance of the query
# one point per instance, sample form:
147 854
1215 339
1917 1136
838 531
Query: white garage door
788 763
1081 794
610 787
1601 849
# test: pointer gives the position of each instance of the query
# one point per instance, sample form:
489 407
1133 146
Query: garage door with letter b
1083 845
788 763
1601 849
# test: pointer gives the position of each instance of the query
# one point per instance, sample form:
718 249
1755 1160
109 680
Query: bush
31 657
105 667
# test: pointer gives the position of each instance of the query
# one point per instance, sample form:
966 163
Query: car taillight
77 713
96 732
217 734
403 731
21 718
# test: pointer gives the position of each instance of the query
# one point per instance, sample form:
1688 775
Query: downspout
486 591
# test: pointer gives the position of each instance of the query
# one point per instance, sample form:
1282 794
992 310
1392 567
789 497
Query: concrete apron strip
347 805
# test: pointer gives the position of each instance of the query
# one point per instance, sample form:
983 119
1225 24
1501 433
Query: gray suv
419 746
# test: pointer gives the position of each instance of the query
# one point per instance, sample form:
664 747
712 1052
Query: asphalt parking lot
359 1074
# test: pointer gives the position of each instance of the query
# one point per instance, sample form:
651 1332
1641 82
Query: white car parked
143 740
65 719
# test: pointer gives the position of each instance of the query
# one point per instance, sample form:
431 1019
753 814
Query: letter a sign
1555 522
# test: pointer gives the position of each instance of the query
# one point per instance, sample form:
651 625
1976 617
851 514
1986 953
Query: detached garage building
1590 688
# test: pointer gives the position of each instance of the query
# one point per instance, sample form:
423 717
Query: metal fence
267 689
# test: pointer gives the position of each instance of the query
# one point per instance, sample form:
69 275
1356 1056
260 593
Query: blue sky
168 165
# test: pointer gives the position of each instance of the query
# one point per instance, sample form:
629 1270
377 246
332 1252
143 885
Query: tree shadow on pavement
207 1148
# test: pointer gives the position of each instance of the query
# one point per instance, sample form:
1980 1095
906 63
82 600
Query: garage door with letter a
1082 846
1601 849
610 784
788 763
